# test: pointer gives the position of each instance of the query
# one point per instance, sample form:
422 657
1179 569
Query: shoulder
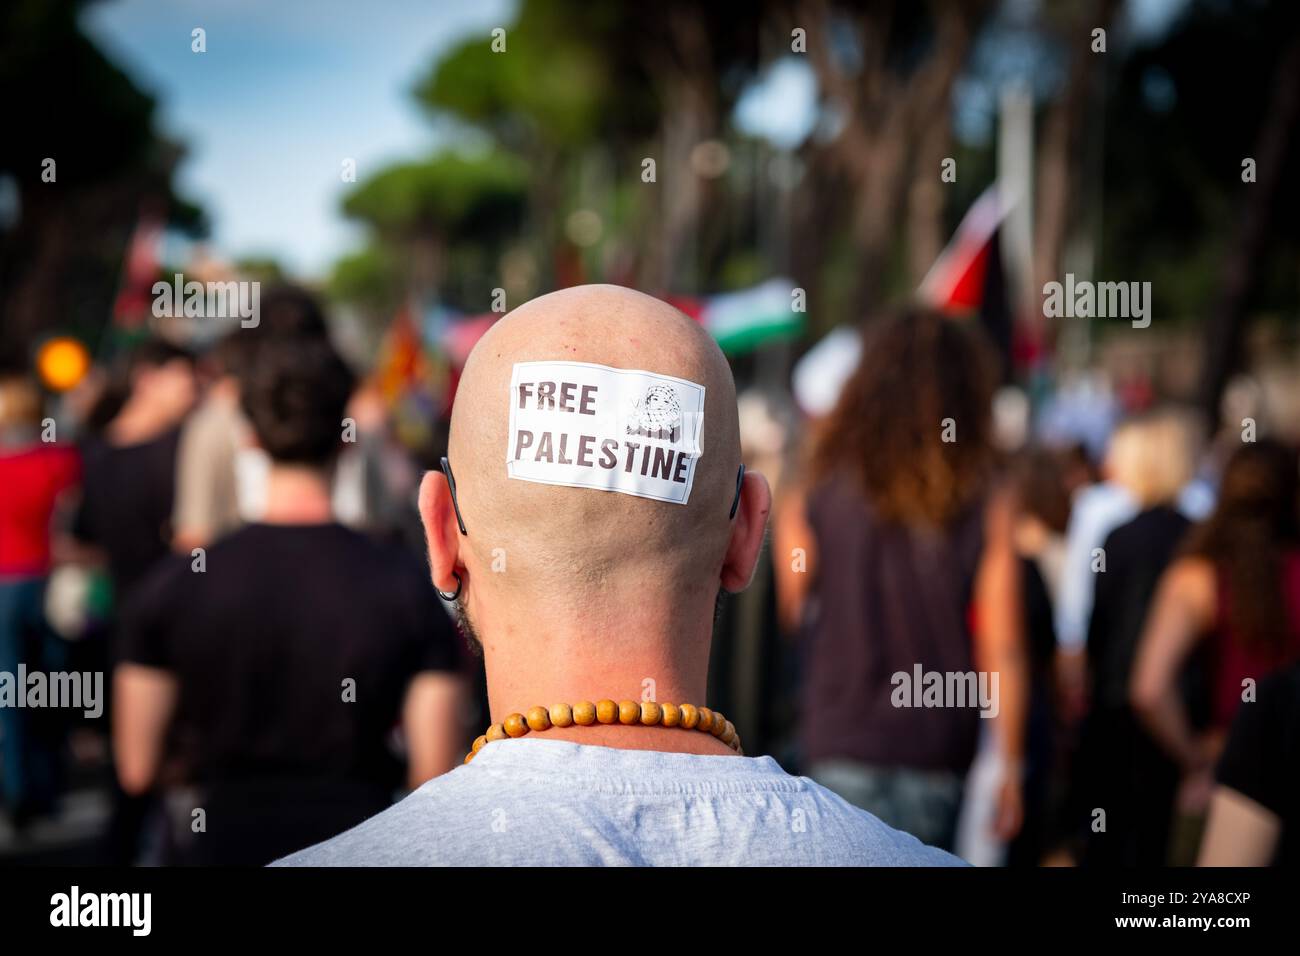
834 499
207 424
242 550
859 838
66 460
427 828
1192 583
386 572
371 547
1100 505
1120 541
167 584
41 457
56 454
1151 530
381 558
1192 576
445 823
250 538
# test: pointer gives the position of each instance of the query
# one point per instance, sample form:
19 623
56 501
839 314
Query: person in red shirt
34 473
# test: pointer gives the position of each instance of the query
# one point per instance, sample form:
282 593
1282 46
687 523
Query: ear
747 531
441 532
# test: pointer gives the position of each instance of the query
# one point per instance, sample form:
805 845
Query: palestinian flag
956 281
742 321
968 279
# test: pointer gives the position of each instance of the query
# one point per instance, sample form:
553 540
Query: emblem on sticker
611 429
658 415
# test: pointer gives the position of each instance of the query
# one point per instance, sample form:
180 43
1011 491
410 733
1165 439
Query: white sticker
613 429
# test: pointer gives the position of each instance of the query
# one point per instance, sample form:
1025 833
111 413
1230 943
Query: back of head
540 502
290 311
913 423
1254 526
159 372
294 393
1259 486
1039 480
1154 455
156 353
233 352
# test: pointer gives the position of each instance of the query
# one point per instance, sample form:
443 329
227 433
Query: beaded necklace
628 712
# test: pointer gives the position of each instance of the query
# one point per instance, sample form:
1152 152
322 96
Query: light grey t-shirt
535 802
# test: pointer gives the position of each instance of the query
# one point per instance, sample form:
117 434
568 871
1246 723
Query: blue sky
287 90
283 94
290 88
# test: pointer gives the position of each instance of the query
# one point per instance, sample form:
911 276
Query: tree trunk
1225 330
1060 153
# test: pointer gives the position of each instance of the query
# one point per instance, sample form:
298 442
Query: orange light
62 363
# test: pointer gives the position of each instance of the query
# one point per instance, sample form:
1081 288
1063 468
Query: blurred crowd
225 533
1142 611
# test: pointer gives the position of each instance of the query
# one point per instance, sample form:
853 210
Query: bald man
593 509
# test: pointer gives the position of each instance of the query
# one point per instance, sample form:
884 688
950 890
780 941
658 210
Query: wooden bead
495 732
690 716
672 715
719 724
606 711
728 735
515 725
706 720
478 744
629 712
584 713
651 713
538 719
562 715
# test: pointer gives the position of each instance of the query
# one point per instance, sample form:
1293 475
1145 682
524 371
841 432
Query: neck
297 494
658 653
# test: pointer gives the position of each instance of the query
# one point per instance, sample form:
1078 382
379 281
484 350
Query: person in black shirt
1255 811
261 679
130 463
1121 769
123 523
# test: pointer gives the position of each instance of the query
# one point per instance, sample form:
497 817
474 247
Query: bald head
589 564
584 534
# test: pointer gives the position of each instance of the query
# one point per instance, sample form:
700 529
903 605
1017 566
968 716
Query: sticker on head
610 429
